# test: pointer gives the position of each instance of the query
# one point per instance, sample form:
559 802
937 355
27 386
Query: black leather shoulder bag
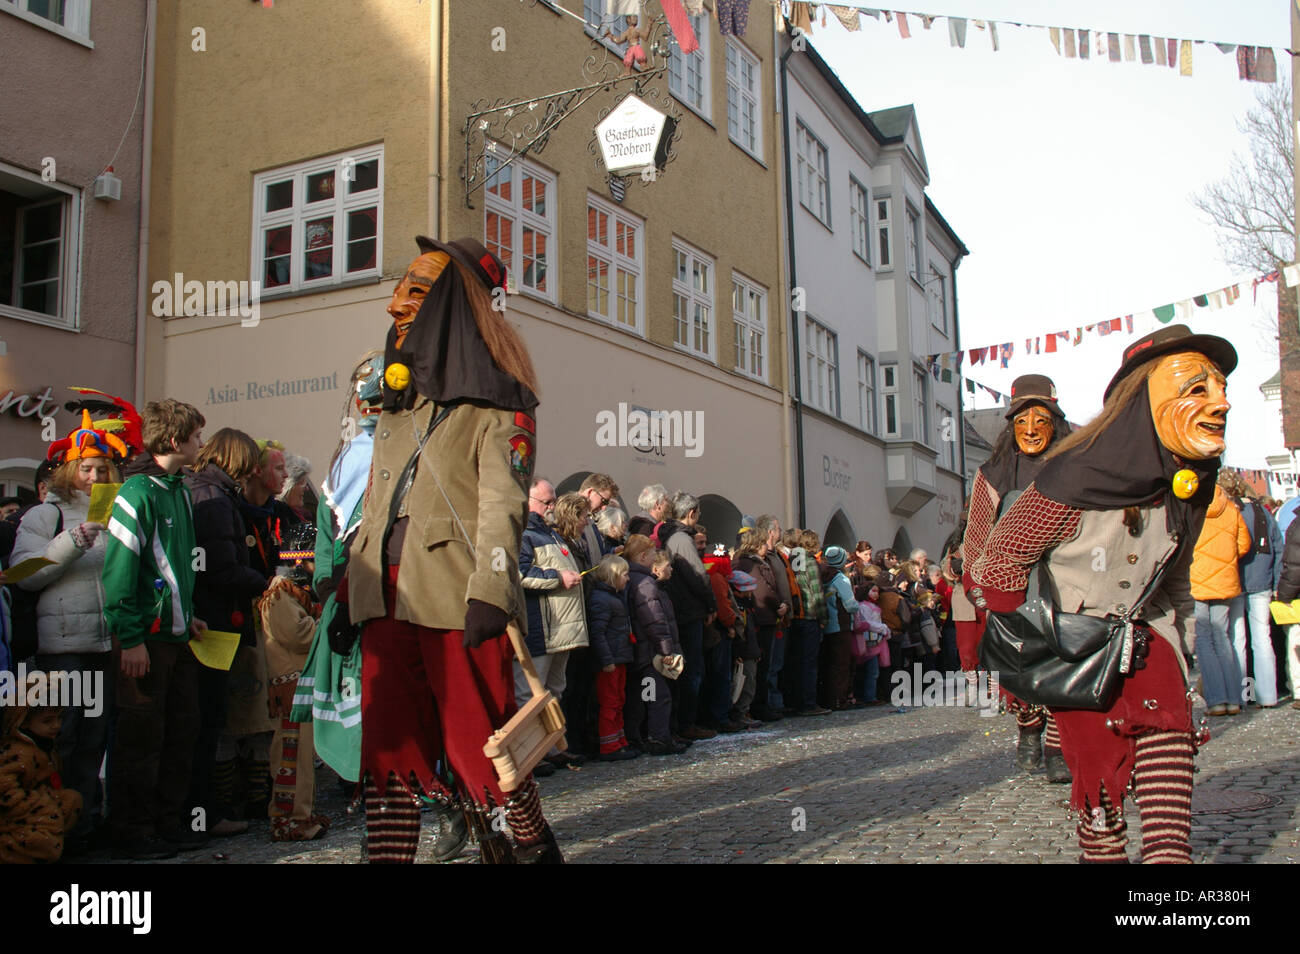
1063 660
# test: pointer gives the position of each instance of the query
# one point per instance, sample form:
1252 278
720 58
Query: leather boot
1057 770
1029 750
494 847
545 852
453 833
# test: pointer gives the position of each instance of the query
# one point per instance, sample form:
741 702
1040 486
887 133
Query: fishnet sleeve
1033 525
982 515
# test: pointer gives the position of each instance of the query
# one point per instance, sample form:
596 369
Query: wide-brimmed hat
1171 340
470 253
1033 389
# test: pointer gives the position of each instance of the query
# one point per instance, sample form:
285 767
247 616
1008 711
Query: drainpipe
436 89
961 389
146 175
794 315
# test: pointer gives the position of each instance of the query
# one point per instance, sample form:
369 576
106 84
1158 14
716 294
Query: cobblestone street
878 785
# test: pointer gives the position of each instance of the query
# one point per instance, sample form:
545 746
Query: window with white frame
920 406
688 73
947 437
937 287
749 314
519 221
692 300
72 15
889 391
859 223
319 223
814 174
867 392
40 223
615 264
884 225
744 98
822 352
598 22
913 243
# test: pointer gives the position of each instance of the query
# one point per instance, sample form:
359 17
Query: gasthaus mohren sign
629 136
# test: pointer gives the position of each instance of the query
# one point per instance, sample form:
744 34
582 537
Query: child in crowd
867 622
288 612
662 568
148 585
609 630
36 811
745 648
656 653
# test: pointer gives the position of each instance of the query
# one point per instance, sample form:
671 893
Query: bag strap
407 477
1040 586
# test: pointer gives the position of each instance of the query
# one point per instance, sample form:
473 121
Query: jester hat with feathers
120 434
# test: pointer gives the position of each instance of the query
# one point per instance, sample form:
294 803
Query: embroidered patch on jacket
521 455
524 421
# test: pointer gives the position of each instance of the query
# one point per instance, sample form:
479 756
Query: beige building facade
663 296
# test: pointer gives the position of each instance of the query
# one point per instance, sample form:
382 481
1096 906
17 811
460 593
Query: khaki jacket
1104 568
483 457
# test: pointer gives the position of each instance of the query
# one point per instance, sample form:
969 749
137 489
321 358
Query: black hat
470 253
1170 340
1033 389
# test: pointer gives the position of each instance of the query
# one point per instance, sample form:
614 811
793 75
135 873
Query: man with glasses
600 490
541 499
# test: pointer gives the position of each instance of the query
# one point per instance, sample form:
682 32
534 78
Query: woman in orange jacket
1215 582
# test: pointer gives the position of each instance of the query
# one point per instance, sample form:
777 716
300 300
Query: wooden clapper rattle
537 727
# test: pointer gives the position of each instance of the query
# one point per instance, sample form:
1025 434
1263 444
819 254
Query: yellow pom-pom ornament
397 376
1185 483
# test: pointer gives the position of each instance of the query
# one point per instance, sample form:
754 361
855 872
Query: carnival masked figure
1114 515
1034 424
433 574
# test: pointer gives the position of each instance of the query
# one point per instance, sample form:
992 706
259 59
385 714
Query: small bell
397 376
1185 483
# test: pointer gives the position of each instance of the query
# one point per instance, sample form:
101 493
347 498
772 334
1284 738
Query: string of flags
947 366
1254 63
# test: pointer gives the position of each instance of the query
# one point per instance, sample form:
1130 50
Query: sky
1070 180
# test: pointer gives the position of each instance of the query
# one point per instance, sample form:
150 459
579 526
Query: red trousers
611 694
426 699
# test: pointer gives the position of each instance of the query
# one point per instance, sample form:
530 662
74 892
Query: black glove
483 621
342 632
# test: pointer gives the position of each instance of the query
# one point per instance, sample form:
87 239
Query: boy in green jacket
148 583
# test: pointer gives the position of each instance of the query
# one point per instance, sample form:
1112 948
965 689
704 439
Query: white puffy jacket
70 613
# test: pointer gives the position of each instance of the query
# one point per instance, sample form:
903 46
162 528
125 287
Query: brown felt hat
1033 389
1171 340
470 253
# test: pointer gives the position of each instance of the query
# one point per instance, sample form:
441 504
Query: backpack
22 612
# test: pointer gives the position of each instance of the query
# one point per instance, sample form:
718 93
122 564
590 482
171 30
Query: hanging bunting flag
903 31
1054 33
1162 58
1201 301
1128 324
1265 65
1144 49
1078 336
970 386
679 21
1112 47
1216 300
1164 314
1007 350
1292 275
957 31
1173 54
848 17
1069 44
1231 294
1183 310
993 35
1130 48
1270 277
945 370
927 21
976 356
1226 47
1185 59
1050 346
801 16
1085 45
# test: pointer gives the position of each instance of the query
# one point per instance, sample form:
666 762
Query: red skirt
428 705
1153 699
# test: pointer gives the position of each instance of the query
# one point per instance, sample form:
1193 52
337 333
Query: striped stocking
1162 774
1052 737
1103 834
392 824
1031 717
524 814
